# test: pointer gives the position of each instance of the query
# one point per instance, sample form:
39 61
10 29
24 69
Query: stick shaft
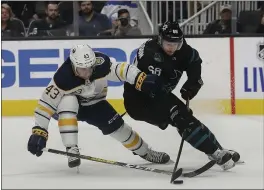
180 149
122 164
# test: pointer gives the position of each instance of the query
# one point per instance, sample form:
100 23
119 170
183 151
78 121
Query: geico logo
19 66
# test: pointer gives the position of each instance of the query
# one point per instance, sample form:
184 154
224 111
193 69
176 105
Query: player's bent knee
112 125
69 103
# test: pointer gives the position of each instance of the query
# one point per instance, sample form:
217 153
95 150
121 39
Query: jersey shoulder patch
65 78
102 66
101 59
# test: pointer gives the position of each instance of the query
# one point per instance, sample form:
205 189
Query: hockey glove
37 140
189 91
149 84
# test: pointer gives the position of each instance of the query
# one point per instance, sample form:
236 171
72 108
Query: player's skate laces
223 159
72 161
156 157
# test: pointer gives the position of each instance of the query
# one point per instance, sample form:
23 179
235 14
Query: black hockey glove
189 91
37 140
149 84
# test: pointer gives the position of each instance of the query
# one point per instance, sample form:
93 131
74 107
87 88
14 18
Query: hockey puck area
178 182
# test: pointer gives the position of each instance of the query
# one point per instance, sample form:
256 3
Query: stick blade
176 174
200 170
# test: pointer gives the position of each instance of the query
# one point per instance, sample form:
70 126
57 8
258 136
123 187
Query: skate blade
170 162
240 162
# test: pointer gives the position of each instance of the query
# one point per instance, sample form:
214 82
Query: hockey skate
156 157
223 158
235 155
72 161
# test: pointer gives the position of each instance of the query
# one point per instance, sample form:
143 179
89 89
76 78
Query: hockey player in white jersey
78 92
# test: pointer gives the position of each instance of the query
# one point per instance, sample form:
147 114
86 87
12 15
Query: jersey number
154 71
52 91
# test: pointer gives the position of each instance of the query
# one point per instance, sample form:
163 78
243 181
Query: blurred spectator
261 25
51 25
261 5
251 21
10 27
92 23
114 20
40 10
223 25
22 10
124 27
109 32
98 6
112 7
66 11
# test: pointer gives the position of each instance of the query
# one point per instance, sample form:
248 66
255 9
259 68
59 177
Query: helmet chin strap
77 74
74 70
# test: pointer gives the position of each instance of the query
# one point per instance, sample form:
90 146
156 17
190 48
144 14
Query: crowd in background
56 19
95 18
252 22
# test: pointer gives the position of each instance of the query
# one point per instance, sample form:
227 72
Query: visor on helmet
172 44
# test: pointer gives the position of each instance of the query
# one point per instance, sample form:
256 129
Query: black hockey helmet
171 32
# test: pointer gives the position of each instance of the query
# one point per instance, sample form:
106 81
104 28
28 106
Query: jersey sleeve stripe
45 109
42 115
122 67
47 104
116 73
127 70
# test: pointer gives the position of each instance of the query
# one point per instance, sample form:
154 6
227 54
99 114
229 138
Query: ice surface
20 169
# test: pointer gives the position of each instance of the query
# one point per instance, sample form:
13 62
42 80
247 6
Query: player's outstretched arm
148 84
47 105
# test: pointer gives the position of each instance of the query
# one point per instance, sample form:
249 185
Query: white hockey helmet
82 56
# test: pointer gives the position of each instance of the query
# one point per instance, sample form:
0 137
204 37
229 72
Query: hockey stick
122 164
177 173
204 168
194 173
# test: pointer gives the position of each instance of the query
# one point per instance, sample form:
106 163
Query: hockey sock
130 139
68 127
197 134
201 138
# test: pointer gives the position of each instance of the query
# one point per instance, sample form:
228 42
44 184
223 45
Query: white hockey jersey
88 92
